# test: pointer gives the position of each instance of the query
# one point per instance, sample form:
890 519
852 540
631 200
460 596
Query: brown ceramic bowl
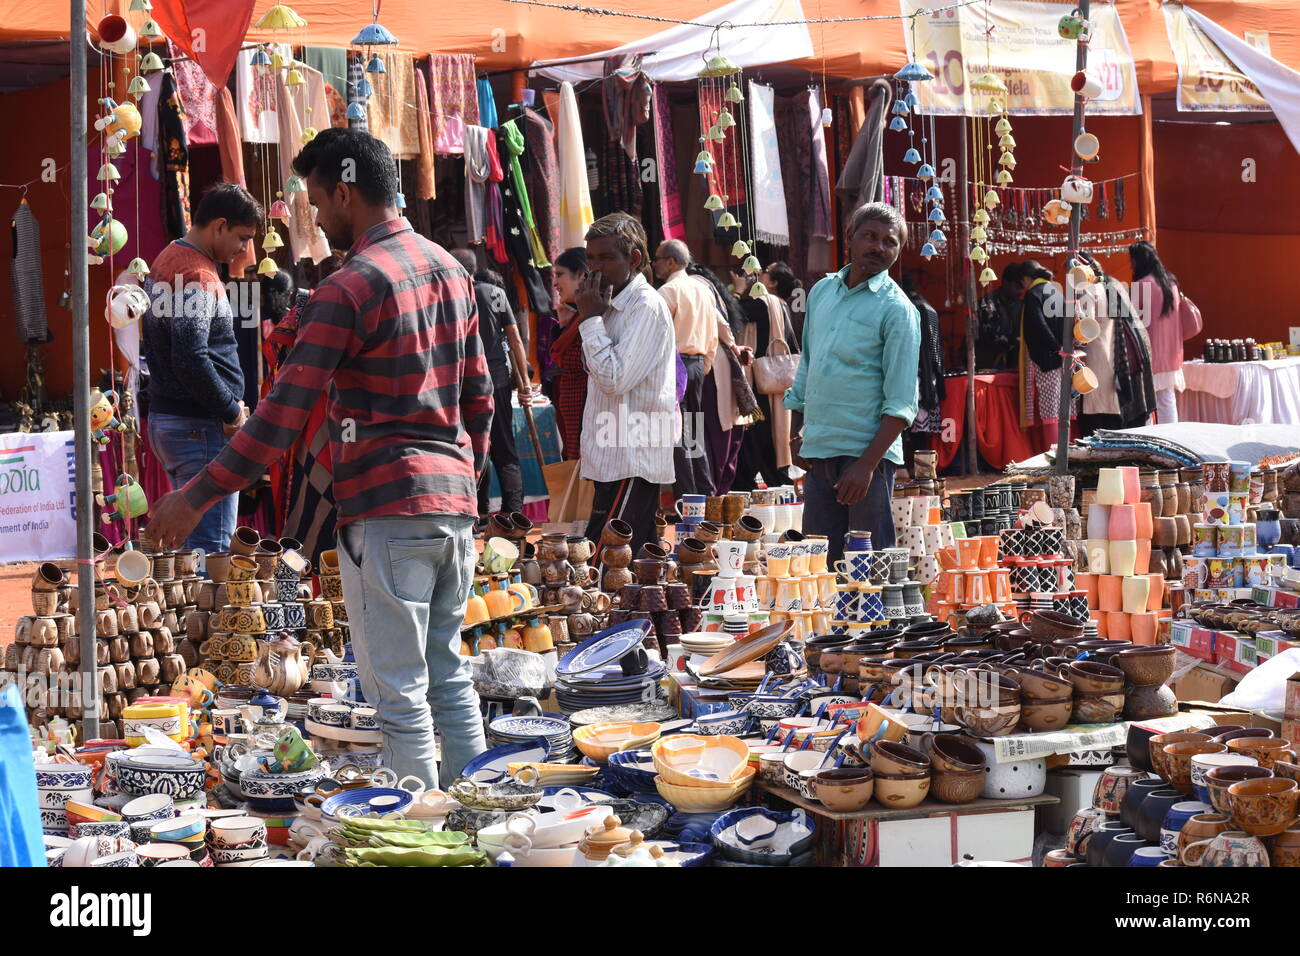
1040 715
901 791
1146 665
1179 761
1218 780
1091 677
1157 744
1053 626
957 786
955 754
844 790
1093 707
1264 807
989 721
888 756
1040 685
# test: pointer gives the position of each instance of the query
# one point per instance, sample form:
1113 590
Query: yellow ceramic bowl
89 813
692 760
555 774
598 741
703 799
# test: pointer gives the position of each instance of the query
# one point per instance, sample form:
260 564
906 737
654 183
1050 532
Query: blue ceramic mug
1149 856
1175 817
857 541
856 565
846 605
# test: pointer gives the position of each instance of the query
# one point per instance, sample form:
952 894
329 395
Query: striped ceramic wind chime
268 61
907 104
723 161
375 34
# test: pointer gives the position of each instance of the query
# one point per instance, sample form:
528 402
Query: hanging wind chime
907 103
375 34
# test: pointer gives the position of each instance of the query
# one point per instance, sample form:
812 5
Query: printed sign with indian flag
1207 79
1019 43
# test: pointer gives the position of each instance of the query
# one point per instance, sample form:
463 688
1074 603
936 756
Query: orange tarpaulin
504 34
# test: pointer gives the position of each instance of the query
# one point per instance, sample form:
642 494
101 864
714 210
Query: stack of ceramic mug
1126 599
797 584
658 589
1235 543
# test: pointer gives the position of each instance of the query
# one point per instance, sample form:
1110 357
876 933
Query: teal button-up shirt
861 348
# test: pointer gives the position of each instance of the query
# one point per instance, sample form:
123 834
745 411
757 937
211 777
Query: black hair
1146 262
371 172
1033 269
228 201
735 317
1012 272
784 279
277 294
490 276
575 259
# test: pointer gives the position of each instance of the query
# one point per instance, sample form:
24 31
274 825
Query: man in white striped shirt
630 424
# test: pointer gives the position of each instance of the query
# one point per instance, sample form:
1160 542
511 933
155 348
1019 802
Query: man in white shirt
695 327
629 425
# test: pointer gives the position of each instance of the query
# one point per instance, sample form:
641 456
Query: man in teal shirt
856 389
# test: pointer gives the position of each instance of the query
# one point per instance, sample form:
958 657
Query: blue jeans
822 514
185 446
405 581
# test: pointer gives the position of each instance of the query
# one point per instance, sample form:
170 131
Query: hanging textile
255 99
477 169
209 31
620 181
487 104
453 99
726 177
149 128
391 110
21 843
28 279
424 176
820 181
331 62
796 160
357 73
199 96
338 106
670 198
175 158
575 198
625 93
543 180
770 222
512 141
861 179
495 230
296 109
521 253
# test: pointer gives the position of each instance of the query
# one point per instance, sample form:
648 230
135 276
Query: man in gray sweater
195 381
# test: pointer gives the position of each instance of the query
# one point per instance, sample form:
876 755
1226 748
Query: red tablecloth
998 435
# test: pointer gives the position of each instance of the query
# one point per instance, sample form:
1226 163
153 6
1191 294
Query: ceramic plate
605 648
498 759
636 713
367 800
523 728
752 648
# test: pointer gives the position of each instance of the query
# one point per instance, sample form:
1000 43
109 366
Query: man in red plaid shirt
393 335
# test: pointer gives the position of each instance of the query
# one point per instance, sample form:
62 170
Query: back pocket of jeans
412 561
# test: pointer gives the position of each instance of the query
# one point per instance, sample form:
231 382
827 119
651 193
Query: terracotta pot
617 533
1157 744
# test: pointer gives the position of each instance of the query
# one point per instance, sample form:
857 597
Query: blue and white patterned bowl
730 722
179 777
635 769
261 783
366 800
63 776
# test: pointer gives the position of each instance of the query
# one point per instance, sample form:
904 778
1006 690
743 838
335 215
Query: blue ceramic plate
367 800
498 758
525 728
605 648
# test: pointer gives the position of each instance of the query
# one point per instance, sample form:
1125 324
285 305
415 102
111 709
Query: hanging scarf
670 197
512 141
575 197
770 222
820 181
453 95
1028 410
477 170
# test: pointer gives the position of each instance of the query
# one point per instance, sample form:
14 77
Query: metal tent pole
90 695
1067 333
963 243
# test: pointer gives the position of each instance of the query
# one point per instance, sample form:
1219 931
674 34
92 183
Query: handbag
775 371
1190 316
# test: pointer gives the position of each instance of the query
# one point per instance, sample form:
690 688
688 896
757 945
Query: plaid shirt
395 333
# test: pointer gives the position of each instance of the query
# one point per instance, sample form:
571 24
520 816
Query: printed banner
1025 50
38 519
1207 79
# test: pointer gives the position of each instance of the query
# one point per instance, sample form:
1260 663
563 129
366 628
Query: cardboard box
1193 640
1199 684
1272 643
1074 789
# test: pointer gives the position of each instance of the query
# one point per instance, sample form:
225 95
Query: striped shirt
630 424
394 337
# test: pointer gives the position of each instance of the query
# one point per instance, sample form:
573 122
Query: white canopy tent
679 52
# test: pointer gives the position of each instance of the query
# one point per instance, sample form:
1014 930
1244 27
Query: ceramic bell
740 249
376 65
898 124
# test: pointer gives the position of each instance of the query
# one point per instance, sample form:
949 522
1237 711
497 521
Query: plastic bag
508 672
1264 687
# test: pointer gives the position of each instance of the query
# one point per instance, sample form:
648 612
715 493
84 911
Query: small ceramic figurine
292 755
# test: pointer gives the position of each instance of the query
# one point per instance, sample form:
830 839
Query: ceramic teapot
280 667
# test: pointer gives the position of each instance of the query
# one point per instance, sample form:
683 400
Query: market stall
1242 393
